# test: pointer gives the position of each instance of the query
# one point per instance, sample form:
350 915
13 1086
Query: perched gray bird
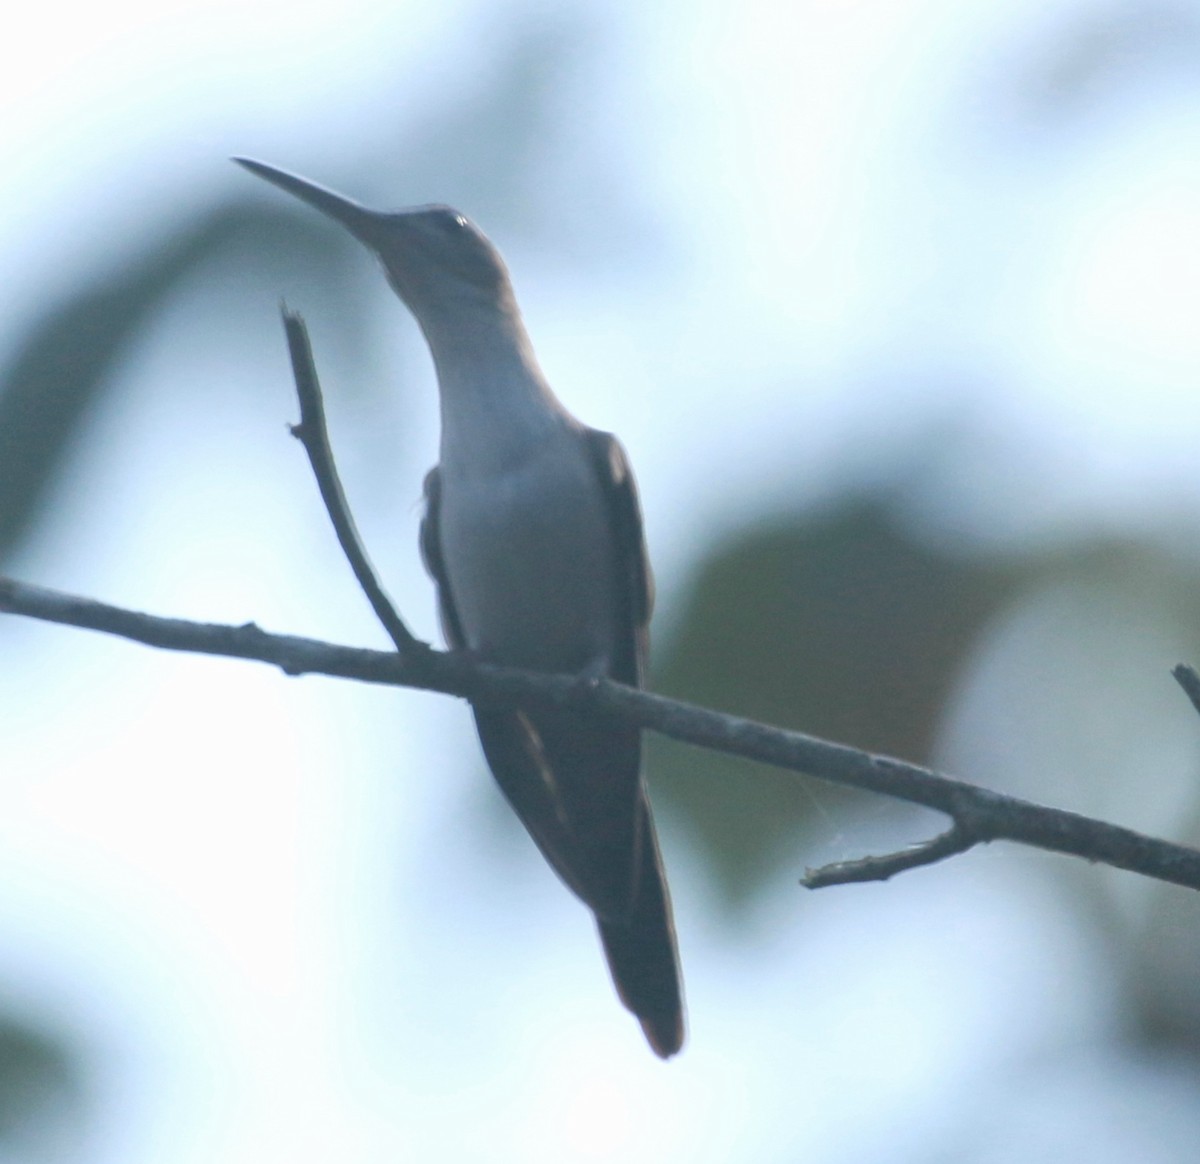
533 536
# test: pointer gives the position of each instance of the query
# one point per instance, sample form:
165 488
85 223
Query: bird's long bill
358 220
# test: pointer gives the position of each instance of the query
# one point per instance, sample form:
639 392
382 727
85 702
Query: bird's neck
496 406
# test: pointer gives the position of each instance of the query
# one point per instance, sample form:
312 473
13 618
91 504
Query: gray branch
956 839
313 434
978 814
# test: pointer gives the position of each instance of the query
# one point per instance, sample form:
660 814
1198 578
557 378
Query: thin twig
988 816
313 434
954 840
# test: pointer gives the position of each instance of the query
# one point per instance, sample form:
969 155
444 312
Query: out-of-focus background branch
892 305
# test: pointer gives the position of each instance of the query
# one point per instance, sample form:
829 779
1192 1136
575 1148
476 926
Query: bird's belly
529 559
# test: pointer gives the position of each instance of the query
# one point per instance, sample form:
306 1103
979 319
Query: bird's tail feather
642 955
639 942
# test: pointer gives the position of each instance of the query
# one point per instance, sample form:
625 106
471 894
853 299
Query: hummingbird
532 534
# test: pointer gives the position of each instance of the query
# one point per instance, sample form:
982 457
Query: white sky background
270 908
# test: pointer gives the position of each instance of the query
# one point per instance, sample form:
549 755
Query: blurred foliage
70 357
840 624
42 1100
849 624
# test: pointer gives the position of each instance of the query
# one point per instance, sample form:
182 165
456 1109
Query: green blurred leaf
42 1096
69 359
840 624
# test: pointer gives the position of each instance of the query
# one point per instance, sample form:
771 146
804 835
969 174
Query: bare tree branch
956 839
313 434
979 815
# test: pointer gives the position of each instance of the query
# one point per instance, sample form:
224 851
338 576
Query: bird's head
436 258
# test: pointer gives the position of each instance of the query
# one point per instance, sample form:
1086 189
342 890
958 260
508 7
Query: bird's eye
450 221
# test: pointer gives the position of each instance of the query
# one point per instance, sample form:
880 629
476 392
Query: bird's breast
529 557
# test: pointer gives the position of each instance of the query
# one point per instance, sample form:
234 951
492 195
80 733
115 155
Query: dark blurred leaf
68 361
42 1100
838 624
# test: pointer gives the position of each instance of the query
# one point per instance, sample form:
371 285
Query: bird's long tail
642 954
633 909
